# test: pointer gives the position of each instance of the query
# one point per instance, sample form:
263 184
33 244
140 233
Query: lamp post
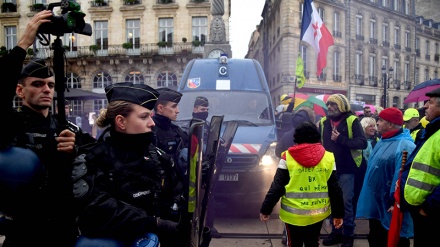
385 83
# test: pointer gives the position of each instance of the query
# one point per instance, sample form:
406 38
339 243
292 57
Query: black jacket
129 183
342 146
287 140
46 216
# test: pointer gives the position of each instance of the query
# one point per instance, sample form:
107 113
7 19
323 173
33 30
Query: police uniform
169 137
124 184
43 215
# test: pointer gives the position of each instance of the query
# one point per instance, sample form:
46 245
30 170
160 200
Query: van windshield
249 106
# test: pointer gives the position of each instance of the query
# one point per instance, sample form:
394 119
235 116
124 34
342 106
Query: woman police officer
121 184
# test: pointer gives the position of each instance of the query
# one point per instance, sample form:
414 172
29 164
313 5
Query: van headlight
269 158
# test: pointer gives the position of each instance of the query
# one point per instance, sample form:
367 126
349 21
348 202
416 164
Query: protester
376 200
284 101
44 214
129 182
302 114
369 126
343 136
305 202
411 120
421 186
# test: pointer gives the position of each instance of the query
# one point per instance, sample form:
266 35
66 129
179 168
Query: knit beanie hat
341 101
392 115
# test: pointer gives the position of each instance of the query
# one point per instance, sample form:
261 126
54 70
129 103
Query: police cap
434 93
139 94
36 68
168 94
201 101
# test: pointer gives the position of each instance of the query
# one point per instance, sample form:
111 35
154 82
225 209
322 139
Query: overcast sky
245 16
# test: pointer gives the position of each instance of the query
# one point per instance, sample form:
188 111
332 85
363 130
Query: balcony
373 41
9 7
407 49
337 34
37 7
359 79
99 3
337 78
132 2
322 77
372 81
407 85
397 46
165 1
359 37
117 50
396 84
386 44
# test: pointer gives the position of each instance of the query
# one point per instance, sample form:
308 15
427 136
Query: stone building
377 46
142 41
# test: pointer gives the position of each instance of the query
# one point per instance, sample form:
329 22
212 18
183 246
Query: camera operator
42 215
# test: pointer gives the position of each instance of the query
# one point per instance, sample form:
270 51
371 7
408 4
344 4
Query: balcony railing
337 34
132 2
99 3
337 78
436 57
115 50
36 7
418 52
407 85
397 46
373 41
396 84
386 43
360 37
359 79
407 49
427 57
373 81
322 77
9 7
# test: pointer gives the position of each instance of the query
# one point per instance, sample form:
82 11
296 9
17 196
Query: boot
332 239
347 241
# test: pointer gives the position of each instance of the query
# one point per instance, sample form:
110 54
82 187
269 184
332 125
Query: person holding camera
38 206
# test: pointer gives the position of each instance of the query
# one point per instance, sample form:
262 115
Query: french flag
314 32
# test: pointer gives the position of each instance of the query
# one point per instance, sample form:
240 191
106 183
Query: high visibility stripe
420 185
304 211
307 195
244 148
426 168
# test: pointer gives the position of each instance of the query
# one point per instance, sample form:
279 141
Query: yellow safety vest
424 175
192 180
355 153
306 200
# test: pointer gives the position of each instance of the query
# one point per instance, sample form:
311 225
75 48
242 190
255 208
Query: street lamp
385 83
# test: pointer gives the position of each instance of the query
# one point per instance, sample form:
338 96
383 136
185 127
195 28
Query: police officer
43 215
168 136
128 180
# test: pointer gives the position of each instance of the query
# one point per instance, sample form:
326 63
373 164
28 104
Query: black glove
167 226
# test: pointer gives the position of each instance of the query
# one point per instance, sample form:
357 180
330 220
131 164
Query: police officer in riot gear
43 214
127 180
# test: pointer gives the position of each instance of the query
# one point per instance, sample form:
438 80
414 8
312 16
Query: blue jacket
377 194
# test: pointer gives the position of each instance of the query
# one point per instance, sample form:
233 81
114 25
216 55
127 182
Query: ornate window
101 80
135 77
73 80
167 79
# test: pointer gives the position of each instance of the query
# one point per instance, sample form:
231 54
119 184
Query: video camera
71 20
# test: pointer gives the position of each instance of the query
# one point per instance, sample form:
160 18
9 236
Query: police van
236 89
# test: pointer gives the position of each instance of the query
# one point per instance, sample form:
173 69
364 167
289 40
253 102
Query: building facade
141 41
376 50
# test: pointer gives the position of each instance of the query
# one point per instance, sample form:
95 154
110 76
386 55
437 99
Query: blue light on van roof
223 59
